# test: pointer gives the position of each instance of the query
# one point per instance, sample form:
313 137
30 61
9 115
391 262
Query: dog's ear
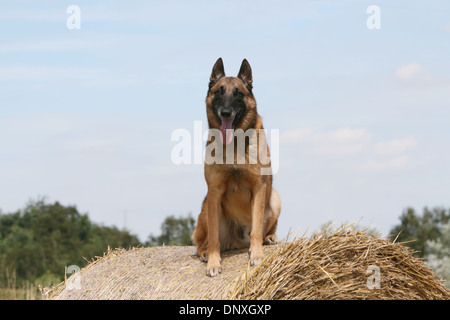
217 73
245 74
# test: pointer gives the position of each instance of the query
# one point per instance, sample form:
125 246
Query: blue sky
86 116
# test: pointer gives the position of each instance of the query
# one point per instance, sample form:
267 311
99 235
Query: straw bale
337 266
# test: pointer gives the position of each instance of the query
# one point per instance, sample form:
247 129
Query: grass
11 290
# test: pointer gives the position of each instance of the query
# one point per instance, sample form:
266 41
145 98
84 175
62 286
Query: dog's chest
237 180
238 196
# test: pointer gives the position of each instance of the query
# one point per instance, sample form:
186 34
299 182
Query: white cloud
415 73
394 147
341 142
353 149
374 166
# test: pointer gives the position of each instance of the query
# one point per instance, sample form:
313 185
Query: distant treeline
38 242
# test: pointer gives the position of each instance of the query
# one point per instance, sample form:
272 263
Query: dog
241 208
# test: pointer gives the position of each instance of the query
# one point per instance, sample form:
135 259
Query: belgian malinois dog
241 208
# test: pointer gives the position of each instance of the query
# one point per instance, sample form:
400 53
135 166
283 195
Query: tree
174 231
438 254
44 238
416 230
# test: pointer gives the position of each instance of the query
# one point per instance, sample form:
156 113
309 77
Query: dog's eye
220 91
238 93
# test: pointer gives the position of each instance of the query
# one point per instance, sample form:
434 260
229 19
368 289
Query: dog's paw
255 261
256 257
213 268
203 256
213 271
272 239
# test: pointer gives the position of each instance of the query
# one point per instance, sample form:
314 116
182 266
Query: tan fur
241 208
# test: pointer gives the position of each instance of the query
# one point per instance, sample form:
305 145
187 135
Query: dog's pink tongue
226 129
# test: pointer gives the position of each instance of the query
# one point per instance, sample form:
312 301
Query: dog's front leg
256 235
213 267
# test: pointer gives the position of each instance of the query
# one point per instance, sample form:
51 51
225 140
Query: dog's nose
226 113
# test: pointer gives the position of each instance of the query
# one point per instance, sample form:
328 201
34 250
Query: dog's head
230 102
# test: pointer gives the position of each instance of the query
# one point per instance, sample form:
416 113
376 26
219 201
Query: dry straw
347 264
